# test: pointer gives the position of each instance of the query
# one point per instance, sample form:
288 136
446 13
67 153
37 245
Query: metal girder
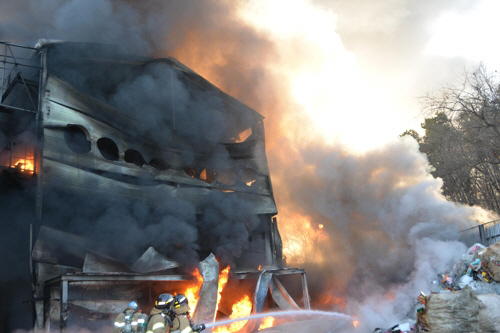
281 296
112 278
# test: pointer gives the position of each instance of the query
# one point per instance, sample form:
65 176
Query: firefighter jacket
126 321
157 322
182 322
142 323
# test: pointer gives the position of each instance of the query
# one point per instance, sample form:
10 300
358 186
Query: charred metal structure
74 138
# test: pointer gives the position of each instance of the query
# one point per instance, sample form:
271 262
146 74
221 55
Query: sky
360 66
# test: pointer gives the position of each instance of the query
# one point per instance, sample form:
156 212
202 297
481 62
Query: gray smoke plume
389 229
226 226
164 99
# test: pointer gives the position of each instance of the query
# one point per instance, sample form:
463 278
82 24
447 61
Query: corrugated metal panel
492 233
47 271
152 261
98 263
57 247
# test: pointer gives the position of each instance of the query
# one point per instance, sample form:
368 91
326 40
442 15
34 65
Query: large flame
223 277
267 322
242 308
24 165
300 237
192 291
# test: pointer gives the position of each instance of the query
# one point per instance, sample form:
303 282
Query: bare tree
462 139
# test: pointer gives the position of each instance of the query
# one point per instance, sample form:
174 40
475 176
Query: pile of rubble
463 299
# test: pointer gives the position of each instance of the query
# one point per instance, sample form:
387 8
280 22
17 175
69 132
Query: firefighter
182 321
161 315
126 321
142 323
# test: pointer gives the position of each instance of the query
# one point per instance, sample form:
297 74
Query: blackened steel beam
111 278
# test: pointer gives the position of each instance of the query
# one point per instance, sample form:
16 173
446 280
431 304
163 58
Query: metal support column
305 292
64 304
482 235
3 71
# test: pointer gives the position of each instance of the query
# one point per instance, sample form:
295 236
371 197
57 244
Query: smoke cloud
386 228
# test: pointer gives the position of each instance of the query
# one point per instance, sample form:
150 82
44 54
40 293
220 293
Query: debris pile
479 269
465 298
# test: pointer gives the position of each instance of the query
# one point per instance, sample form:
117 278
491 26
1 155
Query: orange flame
301 238
355 323
260 267
191 292
267 322
223 277
242 308
330 299
24 165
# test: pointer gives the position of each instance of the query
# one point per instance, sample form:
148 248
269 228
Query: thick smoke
118 226
226 226
157 96
388 230
124 228
164 100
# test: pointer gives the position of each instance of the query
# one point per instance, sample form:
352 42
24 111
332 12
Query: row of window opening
77 141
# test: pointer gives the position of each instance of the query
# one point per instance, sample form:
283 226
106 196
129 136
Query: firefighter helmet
164 301
180 300
133 305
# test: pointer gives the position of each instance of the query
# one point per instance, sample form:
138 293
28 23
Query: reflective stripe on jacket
120 320
156 322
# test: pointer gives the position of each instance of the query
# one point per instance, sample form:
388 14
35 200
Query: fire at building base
122 173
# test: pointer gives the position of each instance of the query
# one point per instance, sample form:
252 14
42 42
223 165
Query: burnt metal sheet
114 278
261 291
206 309
47 272
98 263
152 261
58 247
60 174
281 296
259 297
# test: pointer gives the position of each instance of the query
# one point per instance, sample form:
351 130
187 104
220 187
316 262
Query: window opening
242 136
19 156
108 149
133 156
76 139
249 176
208 175
159 164
228 177
191 172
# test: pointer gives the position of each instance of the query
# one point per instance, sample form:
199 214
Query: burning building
131 170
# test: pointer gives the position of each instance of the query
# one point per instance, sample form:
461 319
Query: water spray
280 314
